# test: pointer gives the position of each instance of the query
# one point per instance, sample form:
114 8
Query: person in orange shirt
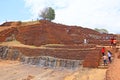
114 42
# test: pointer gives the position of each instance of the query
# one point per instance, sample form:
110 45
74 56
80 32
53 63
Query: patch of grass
54 45
30 23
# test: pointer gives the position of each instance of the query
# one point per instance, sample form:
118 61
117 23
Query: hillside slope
44 32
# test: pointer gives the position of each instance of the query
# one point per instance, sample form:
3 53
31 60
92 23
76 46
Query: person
109 56
85 41
103 51
105 59
112 40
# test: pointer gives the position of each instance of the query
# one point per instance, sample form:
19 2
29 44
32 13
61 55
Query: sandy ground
13 70
88 74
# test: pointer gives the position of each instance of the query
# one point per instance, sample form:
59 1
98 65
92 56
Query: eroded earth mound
44 32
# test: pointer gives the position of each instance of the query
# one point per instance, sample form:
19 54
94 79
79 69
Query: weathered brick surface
58 53
7 33
46 32
92 59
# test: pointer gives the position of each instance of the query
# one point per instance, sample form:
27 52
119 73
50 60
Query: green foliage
47 14
101 30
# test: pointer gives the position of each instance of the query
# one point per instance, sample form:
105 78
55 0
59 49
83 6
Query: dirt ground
13 70
113 72
88 74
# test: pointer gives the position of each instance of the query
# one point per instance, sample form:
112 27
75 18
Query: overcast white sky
86 13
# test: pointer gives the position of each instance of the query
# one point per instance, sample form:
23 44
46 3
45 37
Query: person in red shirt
103 51
112 41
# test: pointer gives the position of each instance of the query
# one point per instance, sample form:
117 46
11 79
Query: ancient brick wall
8 33
13 53
92 59
58 53
46 32
90 56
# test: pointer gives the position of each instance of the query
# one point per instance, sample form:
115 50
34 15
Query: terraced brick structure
51 44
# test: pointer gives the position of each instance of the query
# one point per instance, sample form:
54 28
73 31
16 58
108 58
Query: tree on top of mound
47 14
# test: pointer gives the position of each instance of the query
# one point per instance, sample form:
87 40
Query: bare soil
14 70
88 74
113 72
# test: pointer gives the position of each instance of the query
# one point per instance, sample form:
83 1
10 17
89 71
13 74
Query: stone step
102 67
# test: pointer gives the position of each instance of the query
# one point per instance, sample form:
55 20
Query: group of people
106 56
